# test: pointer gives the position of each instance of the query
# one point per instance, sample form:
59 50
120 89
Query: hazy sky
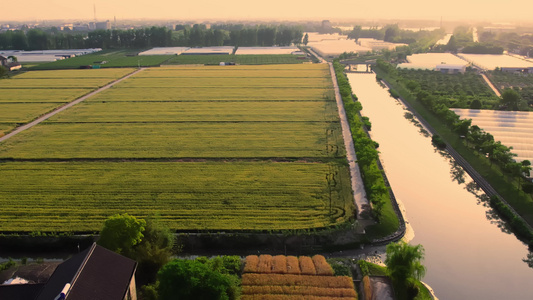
520 10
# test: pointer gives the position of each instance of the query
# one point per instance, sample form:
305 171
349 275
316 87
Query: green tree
306 39
476 104
3 72
121 232
154 250
191 279
510 98
404 267
526 167
462 127
452 44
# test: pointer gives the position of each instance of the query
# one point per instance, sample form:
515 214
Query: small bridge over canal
358 66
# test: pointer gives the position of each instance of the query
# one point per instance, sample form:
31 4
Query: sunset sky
485 10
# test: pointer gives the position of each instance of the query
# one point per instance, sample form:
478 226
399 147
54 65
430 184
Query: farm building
95 273
9 64
165 51
451 69
334 48
224 50
505 62
268 50
377 44
442 62
46 55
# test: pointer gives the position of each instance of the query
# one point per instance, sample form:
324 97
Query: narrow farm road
494 89
62 108
359 194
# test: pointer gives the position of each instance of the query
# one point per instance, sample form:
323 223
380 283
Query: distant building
80 27
9 64
451 69
377 44
95 273
103 25
518 70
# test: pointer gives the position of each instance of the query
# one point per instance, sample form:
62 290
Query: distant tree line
184 35
237 35
392 33
515 42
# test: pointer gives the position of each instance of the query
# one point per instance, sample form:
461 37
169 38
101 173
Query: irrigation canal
470 254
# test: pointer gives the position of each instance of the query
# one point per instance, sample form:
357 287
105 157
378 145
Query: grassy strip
372 176
506 187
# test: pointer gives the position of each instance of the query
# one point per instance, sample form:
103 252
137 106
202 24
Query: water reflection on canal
469 251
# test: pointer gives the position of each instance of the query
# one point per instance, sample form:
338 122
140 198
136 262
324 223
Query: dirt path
494 89
62 108
359 194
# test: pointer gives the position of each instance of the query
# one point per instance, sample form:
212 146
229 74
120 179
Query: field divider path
358 189
489 83
62 108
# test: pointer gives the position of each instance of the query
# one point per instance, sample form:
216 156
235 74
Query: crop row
233 72
287 111
78 196
214 94
75 74
175 140
64 83
12 95
216 82
299 290
281 264
290 297
342 282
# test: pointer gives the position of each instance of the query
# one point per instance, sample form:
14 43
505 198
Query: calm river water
467 253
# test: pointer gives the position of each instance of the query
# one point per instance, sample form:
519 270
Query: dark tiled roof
20 291
63 274
94 274
106 275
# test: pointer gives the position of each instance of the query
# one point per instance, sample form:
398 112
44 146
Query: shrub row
365 148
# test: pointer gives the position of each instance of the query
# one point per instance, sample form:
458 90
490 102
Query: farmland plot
214 94
211 82
79 196
32 94
23 112
62 74
252 149
41 95
175 140
287 111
